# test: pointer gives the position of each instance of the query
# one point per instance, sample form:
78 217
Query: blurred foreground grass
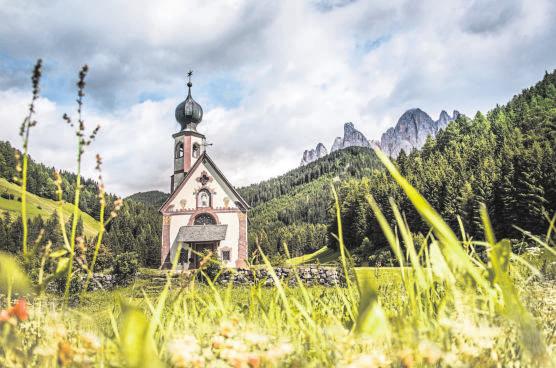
249 327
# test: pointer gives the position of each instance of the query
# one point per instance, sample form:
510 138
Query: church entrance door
200 249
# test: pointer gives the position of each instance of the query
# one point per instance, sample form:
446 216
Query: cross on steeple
189 74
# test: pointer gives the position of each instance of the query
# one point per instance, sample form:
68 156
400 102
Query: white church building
204 211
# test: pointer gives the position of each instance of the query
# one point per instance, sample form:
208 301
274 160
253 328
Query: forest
136 228
504 159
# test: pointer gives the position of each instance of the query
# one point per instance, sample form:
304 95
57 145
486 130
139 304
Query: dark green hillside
506 160
41 180
137 228
154 198
294 207
351 162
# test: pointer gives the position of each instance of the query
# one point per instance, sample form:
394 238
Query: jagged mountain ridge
352 138
410 132
313 154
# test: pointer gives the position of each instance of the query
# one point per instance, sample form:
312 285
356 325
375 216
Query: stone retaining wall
309 275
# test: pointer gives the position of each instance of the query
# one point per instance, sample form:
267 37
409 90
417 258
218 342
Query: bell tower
189 144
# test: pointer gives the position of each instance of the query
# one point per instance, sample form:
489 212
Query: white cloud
303 70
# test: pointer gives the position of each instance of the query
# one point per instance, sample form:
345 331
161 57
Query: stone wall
309 275
99 281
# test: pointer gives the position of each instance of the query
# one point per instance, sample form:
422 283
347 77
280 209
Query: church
204 211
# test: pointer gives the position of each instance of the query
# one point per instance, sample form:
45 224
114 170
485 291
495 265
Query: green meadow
43 207
456 299
445 306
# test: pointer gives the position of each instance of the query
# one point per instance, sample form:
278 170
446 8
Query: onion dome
189 113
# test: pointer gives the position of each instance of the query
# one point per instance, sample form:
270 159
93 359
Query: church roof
242 204
201 233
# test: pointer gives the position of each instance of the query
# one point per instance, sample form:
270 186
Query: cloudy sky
274 77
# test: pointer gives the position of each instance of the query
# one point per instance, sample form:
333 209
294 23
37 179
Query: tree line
504 159
137 228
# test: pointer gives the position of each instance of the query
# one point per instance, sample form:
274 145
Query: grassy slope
43 207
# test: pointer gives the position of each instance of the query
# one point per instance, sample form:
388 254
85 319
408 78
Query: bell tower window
203 198
196 150
179 150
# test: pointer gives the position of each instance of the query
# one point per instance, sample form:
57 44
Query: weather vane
189 74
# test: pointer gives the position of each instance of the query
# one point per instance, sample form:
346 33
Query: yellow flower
255 339
185 352
90 341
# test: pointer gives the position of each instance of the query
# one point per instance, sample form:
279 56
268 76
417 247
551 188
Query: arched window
179 150
196 150
203 198
204 219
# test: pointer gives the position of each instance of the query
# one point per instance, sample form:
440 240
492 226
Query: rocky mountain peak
443 119
352 137
412 130
313 154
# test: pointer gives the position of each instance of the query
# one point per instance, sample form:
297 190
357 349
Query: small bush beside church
126 266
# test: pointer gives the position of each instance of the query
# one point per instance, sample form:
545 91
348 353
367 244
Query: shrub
105 258
125 267
382 258
75 287
212 266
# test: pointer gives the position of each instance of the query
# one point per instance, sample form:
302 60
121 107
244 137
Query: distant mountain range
411 132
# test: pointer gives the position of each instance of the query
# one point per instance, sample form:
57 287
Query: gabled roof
203 157
201 233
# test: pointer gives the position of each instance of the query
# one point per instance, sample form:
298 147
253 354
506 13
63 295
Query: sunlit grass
322 256
38 206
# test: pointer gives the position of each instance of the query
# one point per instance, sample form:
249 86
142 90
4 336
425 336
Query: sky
274 77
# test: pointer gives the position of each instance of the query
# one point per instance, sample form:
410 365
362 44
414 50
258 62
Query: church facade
204 211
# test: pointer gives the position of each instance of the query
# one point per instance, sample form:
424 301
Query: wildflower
218 342
407 359
234 358
118 203
4 316
65 353
279 352
19 310
227 328
90 341
374 360
45 350
430 352
255 339
254 361
184 352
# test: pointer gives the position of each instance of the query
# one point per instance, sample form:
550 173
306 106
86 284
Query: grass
38 206
322 256
245 327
